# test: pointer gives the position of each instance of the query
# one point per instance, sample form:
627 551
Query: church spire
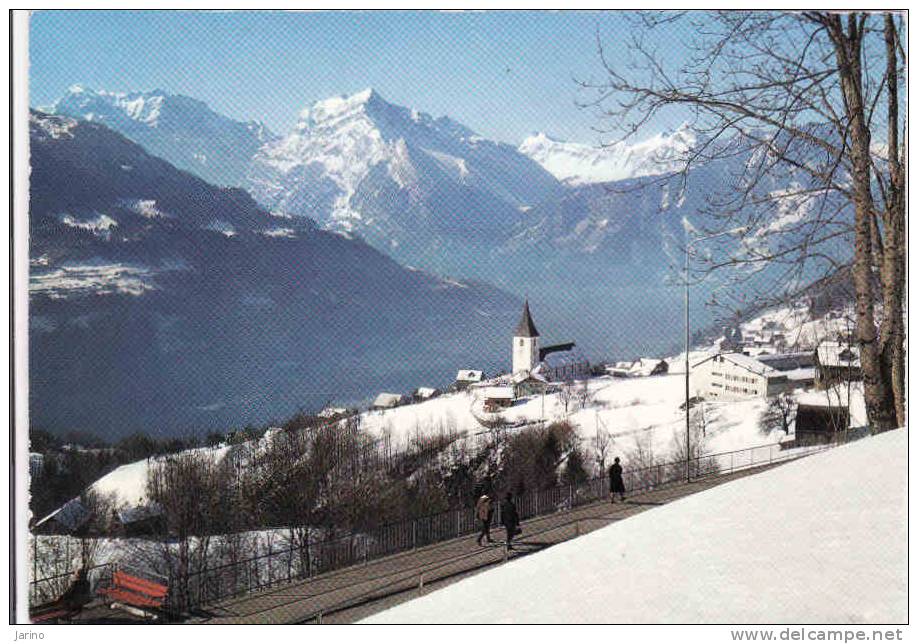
526 328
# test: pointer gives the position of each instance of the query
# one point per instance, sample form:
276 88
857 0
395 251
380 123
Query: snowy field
632 411
819 540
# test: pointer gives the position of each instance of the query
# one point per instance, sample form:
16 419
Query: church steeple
526 328
525 343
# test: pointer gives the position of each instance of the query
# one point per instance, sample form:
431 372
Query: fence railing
51 588
207 586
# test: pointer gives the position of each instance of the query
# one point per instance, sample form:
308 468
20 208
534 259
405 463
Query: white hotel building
735 376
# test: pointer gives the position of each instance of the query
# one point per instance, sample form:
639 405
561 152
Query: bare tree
695 451
187 488
781 411
566 393
803 100
583 394
602 441
641 463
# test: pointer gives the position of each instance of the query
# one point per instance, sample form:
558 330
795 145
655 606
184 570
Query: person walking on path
616 483
484 511
510 519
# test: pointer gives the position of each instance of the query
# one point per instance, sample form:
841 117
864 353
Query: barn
836 362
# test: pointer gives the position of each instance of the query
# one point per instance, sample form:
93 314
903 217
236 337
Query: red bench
134 591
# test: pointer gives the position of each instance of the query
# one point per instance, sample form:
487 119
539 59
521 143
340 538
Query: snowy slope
578 164
633 411
834 551
127 484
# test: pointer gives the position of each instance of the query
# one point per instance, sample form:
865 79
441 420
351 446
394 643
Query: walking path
350 594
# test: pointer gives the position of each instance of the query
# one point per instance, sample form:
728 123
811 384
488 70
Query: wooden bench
129 592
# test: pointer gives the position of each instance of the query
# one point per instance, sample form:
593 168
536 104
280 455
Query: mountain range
577 164
381 199
433 194
180 129
428 191
162 303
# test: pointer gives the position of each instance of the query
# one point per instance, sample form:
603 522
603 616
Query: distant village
761 363
739 366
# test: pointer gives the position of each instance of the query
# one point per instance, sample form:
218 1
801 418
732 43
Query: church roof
526 328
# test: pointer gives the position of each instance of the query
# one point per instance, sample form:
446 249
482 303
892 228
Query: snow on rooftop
833 551
498 393
468 375
838 354
387 400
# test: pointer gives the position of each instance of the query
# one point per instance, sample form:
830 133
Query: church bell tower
525 343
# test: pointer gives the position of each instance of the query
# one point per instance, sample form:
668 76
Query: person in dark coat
510 518
616 483
484 511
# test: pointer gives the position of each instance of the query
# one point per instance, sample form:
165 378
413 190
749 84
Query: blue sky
504 74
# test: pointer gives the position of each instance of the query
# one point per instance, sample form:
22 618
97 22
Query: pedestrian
484 510
510 519
616 483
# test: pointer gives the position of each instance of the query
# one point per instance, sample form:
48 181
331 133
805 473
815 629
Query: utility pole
687 227
688 451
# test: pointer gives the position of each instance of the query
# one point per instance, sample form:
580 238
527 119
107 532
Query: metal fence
50 588
213 584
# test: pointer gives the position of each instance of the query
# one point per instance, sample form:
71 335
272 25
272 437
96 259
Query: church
552 363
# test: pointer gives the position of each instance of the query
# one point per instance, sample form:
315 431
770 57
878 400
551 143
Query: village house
621 369
67 519
641 367
467 378
141 520
388 401
819 424
529 383
425 393
331 413
497 398
836 362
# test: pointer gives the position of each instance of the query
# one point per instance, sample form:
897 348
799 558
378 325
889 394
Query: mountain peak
330 109
578 163
539 137
183 130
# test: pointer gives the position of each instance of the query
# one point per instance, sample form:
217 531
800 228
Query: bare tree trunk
892 332
878 393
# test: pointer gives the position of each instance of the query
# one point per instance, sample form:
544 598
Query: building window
521 341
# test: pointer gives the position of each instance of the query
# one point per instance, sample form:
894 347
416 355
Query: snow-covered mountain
161 303
181 130
578 164
411 184
430 193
